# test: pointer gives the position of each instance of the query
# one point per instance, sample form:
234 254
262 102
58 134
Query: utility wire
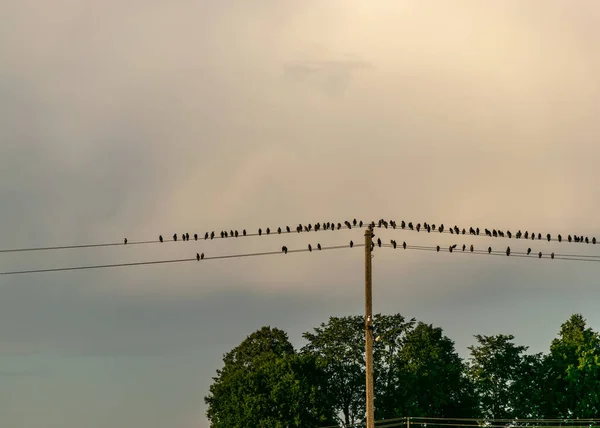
157 241
496 253
194 259
483 235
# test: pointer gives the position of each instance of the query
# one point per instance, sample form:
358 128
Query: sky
139 118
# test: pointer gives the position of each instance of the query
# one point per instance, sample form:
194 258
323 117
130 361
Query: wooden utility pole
369 329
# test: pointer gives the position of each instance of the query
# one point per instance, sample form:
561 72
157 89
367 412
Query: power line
494 233
499 253
200 238
194 259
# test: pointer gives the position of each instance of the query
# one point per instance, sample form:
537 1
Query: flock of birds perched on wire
382 223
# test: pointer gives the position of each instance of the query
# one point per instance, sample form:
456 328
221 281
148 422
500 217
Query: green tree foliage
434 375
266 384
573 383
495 367
339 345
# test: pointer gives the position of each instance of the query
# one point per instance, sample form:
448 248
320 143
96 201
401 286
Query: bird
393 244
552 256
160 238
284 249
559 238
508 251
548 237
354 222
464 247
438 248
125 241
587 241
509 234
187 236
351 244
206 236
410 226
212 234
244 232
402 224
378 242
594 240
287 228
540 255
279 230
259 232
450 247
202 256
198 256
471 248
360 224
318 246
268 230
528 251
309 247
175 237
236 234
489 250
195 236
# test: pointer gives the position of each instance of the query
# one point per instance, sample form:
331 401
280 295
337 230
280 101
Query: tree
434 375
339 346
265 384
495 367
574 369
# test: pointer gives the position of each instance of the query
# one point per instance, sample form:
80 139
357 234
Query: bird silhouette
287 228
528 251
548 237
360 224
509 234
559 238
259 232
437 248
187 236
175 237
212 234
540 255
410 226
160 238
279 230
309 247
195 236
471 248
351 244
125 241
202 256
378 242
587 240
284 249
318 246
489 250
450 247
539 236
552 256
508 251
404 245
402 224
268 230
236 234
464 247
206 236
198 256
393 244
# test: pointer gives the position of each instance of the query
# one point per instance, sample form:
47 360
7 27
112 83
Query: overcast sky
130 119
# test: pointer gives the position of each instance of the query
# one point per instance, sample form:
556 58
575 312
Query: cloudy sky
145 117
